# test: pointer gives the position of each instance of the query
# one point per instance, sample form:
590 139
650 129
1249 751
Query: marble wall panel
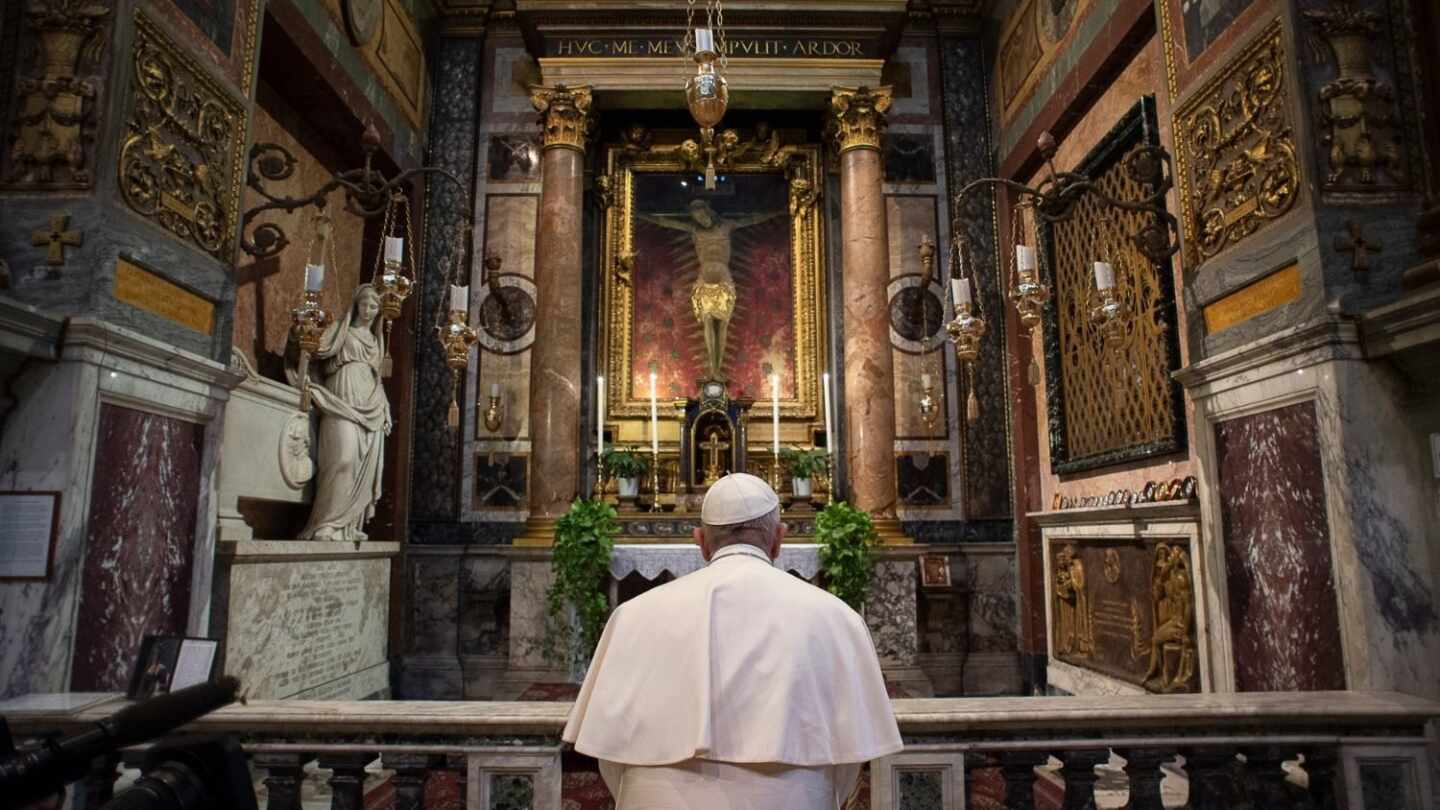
529 581
453 135
485 607
138 553
890 612
1284 618
266 290
510 221
434 605
916 318
968 156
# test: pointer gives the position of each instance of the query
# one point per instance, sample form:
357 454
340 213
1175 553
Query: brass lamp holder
308 323
457 336
1109 317
493 419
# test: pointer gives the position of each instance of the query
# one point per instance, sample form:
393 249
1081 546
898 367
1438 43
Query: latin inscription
141 288
298 626
739 47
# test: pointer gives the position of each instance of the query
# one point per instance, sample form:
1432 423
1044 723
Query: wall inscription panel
297 625
1126 608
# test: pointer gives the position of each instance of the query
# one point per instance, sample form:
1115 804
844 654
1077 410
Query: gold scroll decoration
52 137
1237 140
857 116
565 120
183 146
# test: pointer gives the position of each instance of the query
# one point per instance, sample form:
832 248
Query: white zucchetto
736 498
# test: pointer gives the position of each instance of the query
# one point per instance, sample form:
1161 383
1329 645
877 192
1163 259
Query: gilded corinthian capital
857 116
565 118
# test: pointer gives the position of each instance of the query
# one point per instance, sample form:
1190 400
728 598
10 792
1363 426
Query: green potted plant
576 602
846 537
626 466
802 466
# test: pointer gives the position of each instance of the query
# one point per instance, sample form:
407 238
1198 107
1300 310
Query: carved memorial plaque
1126 608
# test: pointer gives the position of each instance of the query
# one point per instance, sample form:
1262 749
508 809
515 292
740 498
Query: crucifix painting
713 282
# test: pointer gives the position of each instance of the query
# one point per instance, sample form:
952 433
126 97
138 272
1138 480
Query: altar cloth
651 560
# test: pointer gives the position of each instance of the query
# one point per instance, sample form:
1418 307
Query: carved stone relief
1360 128
183 147
51 141
1237 140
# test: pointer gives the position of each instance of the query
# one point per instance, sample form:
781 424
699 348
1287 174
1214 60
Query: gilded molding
565 119
183 145
52 136
857 116
617 293
1358 120
1240 168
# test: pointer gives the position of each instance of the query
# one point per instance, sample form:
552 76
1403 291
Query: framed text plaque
29 522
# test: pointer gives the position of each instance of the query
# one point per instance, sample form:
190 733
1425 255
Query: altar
678 559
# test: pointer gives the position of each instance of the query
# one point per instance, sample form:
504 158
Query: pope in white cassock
738 686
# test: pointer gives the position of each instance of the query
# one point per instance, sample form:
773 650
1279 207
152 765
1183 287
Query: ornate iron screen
1109 406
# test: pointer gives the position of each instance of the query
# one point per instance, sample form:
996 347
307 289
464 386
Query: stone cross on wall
1358 246
56 238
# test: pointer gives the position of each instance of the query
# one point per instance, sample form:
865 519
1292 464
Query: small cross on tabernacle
56 238
1358 246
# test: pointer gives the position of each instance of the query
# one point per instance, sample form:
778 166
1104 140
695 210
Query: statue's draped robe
737 686
353 416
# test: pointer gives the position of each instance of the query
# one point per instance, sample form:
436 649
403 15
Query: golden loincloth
713 299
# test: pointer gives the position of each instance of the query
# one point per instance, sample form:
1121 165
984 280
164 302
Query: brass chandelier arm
1055 197
367 194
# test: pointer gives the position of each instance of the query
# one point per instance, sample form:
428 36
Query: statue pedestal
304 619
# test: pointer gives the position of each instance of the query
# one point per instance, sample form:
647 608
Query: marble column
555 359
858 121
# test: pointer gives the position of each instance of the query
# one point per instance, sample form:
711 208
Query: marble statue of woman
354 420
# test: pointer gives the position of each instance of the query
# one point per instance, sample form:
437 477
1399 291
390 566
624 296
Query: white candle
704 40
960 291
825 389
1104 276
314 277
394 249
775 411
495 390
925 381
600 416
1025 258
654 420
459 298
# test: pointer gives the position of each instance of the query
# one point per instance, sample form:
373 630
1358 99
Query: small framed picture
169 663
934 571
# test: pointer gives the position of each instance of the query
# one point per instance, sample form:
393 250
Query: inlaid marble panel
1284 618
138 551
890 612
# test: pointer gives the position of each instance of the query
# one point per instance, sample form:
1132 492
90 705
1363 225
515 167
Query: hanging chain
715 15
687 48
384 232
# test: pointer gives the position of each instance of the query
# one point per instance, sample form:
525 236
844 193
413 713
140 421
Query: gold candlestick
655 481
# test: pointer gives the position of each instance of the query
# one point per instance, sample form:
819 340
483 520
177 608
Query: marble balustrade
1342 750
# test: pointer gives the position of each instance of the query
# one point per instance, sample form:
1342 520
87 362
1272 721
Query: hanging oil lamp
393 276
309 320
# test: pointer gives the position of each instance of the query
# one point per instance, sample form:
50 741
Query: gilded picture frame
804 170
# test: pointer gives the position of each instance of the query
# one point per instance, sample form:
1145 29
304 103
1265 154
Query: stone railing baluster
347 778
283 774
1142 768
1265 778
1018 769
1212 779
1080 776
1320 763
409 779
